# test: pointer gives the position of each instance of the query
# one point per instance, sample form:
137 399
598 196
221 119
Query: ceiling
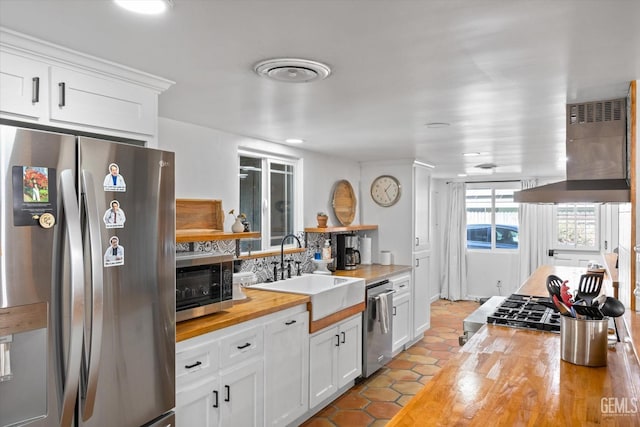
499 72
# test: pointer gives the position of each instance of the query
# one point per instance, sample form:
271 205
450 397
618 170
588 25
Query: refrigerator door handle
74 235
96 288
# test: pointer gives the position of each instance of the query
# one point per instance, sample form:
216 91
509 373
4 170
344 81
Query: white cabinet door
323 365
286 369
83 99
421 214
23 85
401 310
242 395
350 350
421 300
199 405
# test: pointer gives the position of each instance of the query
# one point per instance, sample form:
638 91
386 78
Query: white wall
207 167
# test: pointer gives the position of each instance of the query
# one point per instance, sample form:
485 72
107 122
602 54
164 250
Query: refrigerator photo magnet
114 181
34 196
114 255
114 217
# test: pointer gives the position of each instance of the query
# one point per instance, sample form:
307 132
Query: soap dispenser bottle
326 250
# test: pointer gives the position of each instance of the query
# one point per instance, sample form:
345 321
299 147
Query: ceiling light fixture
145 7
437 125
294 140
462 175
292 70
473 154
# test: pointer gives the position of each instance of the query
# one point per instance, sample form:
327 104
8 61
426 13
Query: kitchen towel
365 250
383 312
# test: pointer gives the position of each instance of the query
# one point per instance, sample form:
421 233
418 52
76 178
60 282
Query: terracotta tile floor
376 400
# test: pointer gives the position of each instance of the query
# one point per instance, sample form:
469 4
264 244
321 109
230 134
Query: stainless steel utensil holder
583 342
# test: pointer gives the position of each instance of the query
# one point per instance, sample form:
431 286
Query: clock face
385 190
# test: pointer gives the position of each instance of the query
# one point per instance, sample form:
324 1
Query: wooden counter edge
194 331
316 325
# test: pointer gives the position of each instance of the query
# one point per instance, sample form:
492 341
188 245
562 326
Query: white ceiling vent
292 70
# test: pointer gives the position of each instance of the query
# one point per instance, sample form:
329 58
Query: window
267 198
576 226
492 217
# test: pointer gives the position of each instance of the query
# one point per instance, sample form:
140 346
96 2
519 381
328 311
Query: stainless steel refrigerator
87 291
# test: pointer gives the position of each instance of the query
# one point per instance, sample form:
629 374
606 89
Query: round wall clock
385 190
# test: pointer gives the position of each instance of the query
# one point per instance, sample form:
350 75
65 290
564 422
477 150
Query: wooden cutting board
344 202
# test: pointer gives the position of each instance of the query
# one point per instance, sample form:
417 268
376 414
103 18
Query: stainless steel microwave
204 284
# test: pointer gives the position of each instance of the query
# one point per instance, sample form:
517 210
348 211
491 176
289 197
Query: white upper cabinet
101 102
23 84
50 85
421 211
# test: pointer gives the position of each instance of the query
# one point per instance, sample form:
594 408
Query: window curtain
536 221
454 260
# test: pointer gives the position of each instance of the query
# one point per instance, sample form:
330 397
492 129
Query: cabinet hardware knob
198 363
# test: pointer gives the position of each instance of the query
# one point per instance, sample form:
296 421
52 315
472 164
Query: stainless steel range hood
597 158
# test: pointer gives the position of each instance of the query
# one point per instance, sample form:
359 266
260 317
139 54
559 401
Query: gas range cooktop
527 312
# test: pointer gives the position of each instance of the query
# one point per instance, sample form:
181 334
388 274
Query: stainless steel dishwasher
377 327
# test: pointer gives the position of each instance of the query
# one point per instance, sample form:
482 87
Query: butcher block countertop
374 272
258 303
515 377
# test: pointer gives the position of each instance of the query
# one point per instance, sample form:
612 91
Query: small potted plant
238 226
322 219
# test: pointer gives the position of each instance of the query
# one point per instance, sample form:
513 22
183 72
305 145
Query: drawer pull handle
241 347
344 336
61 92
228 390
338 340
35 90
290 323
394 311
215 393
198 363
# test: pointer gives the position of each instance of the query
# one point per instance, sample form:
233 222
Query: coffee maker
348 257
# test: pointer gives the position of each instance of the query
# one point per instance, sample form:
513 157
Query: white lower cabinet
421 297
286 369
401 330
242 395
199 405
335 358
401 310
225 378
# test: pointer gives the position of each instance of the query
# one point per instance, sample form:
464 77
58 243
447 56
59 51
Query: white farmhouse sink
329 294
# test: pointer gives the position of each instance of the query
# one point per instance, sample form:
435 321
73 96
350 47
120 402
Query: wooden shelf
340 229
287 251
199 235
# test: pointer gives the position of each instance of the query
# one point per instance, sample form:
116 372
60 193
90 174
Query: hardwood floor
374 401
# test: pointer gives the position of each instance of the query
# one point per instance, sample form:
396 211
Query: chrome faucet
282 250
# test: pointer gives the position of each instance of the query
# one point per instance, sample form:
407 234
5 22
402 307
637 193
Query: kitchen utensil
599 300
613 308
553 285
562 308
589 287
591 312
564 293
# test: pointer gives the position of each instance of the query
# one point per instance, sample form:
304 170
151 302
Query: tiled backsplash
263 267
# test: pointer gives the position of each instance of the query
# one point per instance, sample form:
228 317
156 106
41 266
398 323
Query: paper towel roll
365 250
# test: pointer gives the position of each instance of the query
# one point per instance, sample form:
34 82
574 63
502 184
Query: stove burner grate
526 311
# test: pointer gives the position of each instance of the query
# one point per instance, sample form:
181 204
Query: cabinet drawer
241 346
401 284
196 363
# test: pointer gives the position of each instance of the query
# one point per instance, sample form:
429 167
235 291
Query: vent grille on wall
593 112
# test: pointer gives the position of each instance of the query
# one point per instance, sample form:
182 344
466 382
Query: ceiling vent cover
292 70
